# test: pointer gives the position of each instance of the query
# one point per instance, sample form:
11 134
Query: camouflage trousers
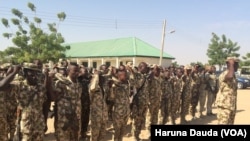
11 120
202 100
165 110
31 130
85 114
119 123
3 127
194 100
185 102
139 115
226 116
175 106
66 133
98 129
210 97
153 108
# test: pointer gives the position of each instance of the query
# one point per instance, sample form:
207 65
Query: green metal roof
121 47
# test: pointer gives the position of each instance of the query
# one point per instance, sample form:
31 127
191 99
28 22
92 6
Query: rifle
135 100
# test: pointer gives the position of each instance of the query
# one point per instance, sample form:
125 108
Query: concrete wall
116 61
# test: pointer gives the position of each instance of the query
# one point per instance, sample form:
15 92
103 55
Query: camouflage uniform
11 103
176 98
194 93
98 110
3 117
154 100
167 92
121 110
226 100
140 104
85 102
185 98
203 93
30 100
68 109
211 87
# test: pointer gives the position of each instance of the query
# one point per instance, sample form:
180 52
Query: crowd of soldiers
86 97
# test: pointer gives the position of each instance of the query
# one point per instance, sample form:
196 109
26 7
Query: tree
31 41
246 60
221 48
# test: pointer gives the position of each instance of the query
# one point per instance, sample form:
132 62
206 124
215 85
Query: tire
240 85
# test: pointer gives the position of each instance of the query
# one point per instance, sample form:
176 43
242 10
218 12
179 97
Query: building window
107 64
94 64
85 64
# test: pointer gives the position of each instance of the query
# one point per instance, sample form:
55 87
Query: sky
193 21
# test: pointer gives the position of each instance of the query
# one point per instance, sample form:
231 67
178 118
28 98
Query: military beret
31 66
233 58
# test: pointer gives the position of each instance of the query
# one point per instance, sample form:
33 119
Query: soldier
154 96
227 96
98 107
186 93
140 99
166 97
202 91
195 84
30 96
11 103
121 112
176 95
68 99
4 113
211 89
84 78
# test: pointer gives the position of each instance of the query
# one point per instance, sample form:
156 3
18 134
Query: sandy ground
242 117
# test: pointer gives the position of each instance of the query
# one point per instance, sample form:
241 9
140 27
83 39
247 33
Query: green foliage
245 60
31 41
221 48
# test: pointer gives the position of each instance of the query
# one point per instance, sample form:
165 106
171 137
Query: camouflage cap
5 66
187 67
233 58
31 66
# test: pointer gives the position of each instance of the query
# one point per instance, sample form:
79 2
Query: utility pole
162 42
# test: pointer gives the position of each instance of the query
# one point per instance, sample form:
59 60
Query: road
242 117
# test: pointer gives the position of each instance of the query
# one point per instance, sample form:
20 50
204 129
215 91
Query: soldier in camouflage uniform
211 89
202 91
68 100
30 96
121 112
11 104
154 96
84 79
176 95
5 81
195 84
186 93
98 107
140 99
227 96
166 97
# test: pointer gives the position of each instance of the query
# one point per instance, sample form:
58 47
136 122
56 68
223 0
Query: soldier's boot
12 136
173 121
116 139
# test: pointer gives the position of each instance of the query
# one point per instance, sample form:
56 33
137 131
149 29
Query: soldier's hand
16 68
231 61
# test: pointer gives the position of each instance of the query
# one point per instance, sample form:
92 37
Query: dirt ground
242 117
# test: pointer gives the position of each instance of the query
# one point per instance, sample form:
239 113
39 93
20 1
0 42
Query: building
115 52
